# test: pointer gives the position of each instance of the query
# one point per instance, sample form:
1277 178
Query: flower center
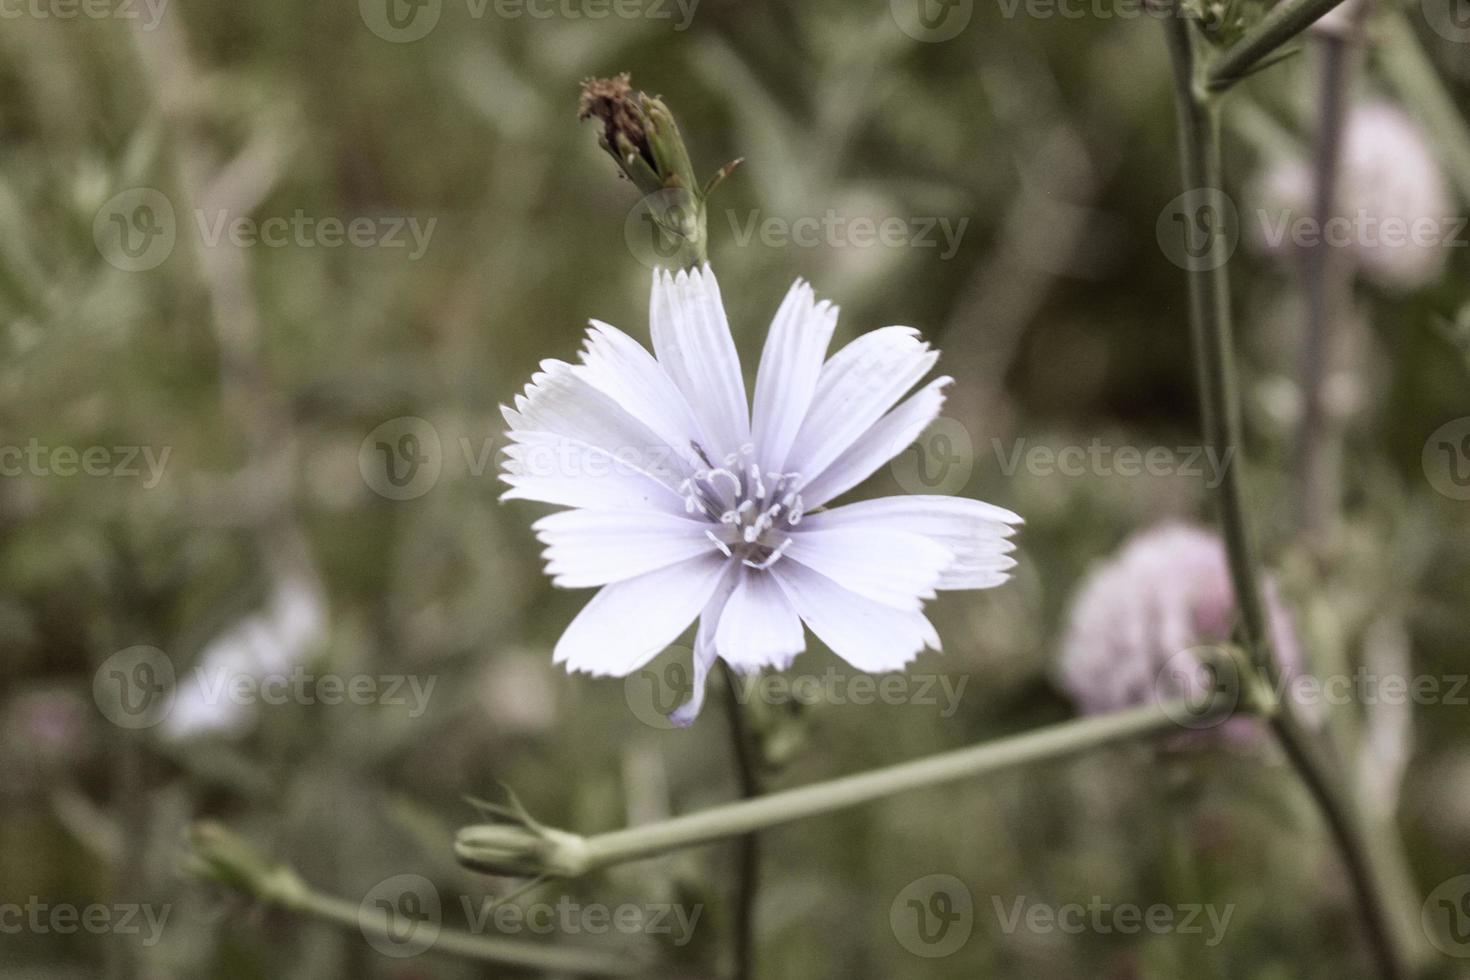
752 511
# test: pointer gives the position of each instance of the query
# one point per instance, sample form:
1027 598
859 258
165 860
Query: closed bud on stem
522 851
639 132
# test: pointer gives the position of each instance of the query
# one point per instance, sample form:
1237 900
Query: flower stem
1210 323
1328 292
1282 23
1411 73
748 769
763 812
222 856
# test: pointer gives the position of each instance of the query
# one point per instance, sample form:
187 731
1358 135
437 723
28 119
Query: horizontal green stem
1282 23
771 810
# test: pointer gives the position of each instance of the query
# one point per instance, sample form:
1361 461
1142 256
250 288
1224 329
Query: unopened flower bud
639 132
522 851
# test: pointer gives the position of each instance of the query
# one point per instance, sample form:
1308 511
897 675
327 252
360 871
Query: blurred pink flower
1137 620
1395 214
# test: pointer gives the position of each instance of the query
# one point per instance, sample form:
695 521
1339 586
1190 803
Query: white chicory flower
685 503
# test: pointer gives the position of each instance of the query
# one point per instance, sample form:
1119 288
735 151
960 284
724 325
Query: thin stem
1409 70
1282 23
1327 288
748 769
1209 304
775 809
222 856
493 949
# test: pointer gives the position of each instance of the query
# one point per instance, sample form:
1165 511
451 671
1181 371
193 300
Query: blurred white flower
271 642
1166 594
687 505
1394 215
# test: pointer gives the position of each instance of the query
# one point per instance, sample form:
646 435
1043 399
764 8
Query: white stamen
719 544
734 480
770 559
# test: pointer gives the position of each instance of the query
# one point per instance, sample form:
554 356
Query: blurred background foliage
263 370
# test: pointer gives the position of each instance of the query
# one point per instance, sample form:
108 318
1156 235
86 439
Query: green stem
764 812
493 949
747 767
1328 292
1210 325
1282 23
224 857
1409 70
